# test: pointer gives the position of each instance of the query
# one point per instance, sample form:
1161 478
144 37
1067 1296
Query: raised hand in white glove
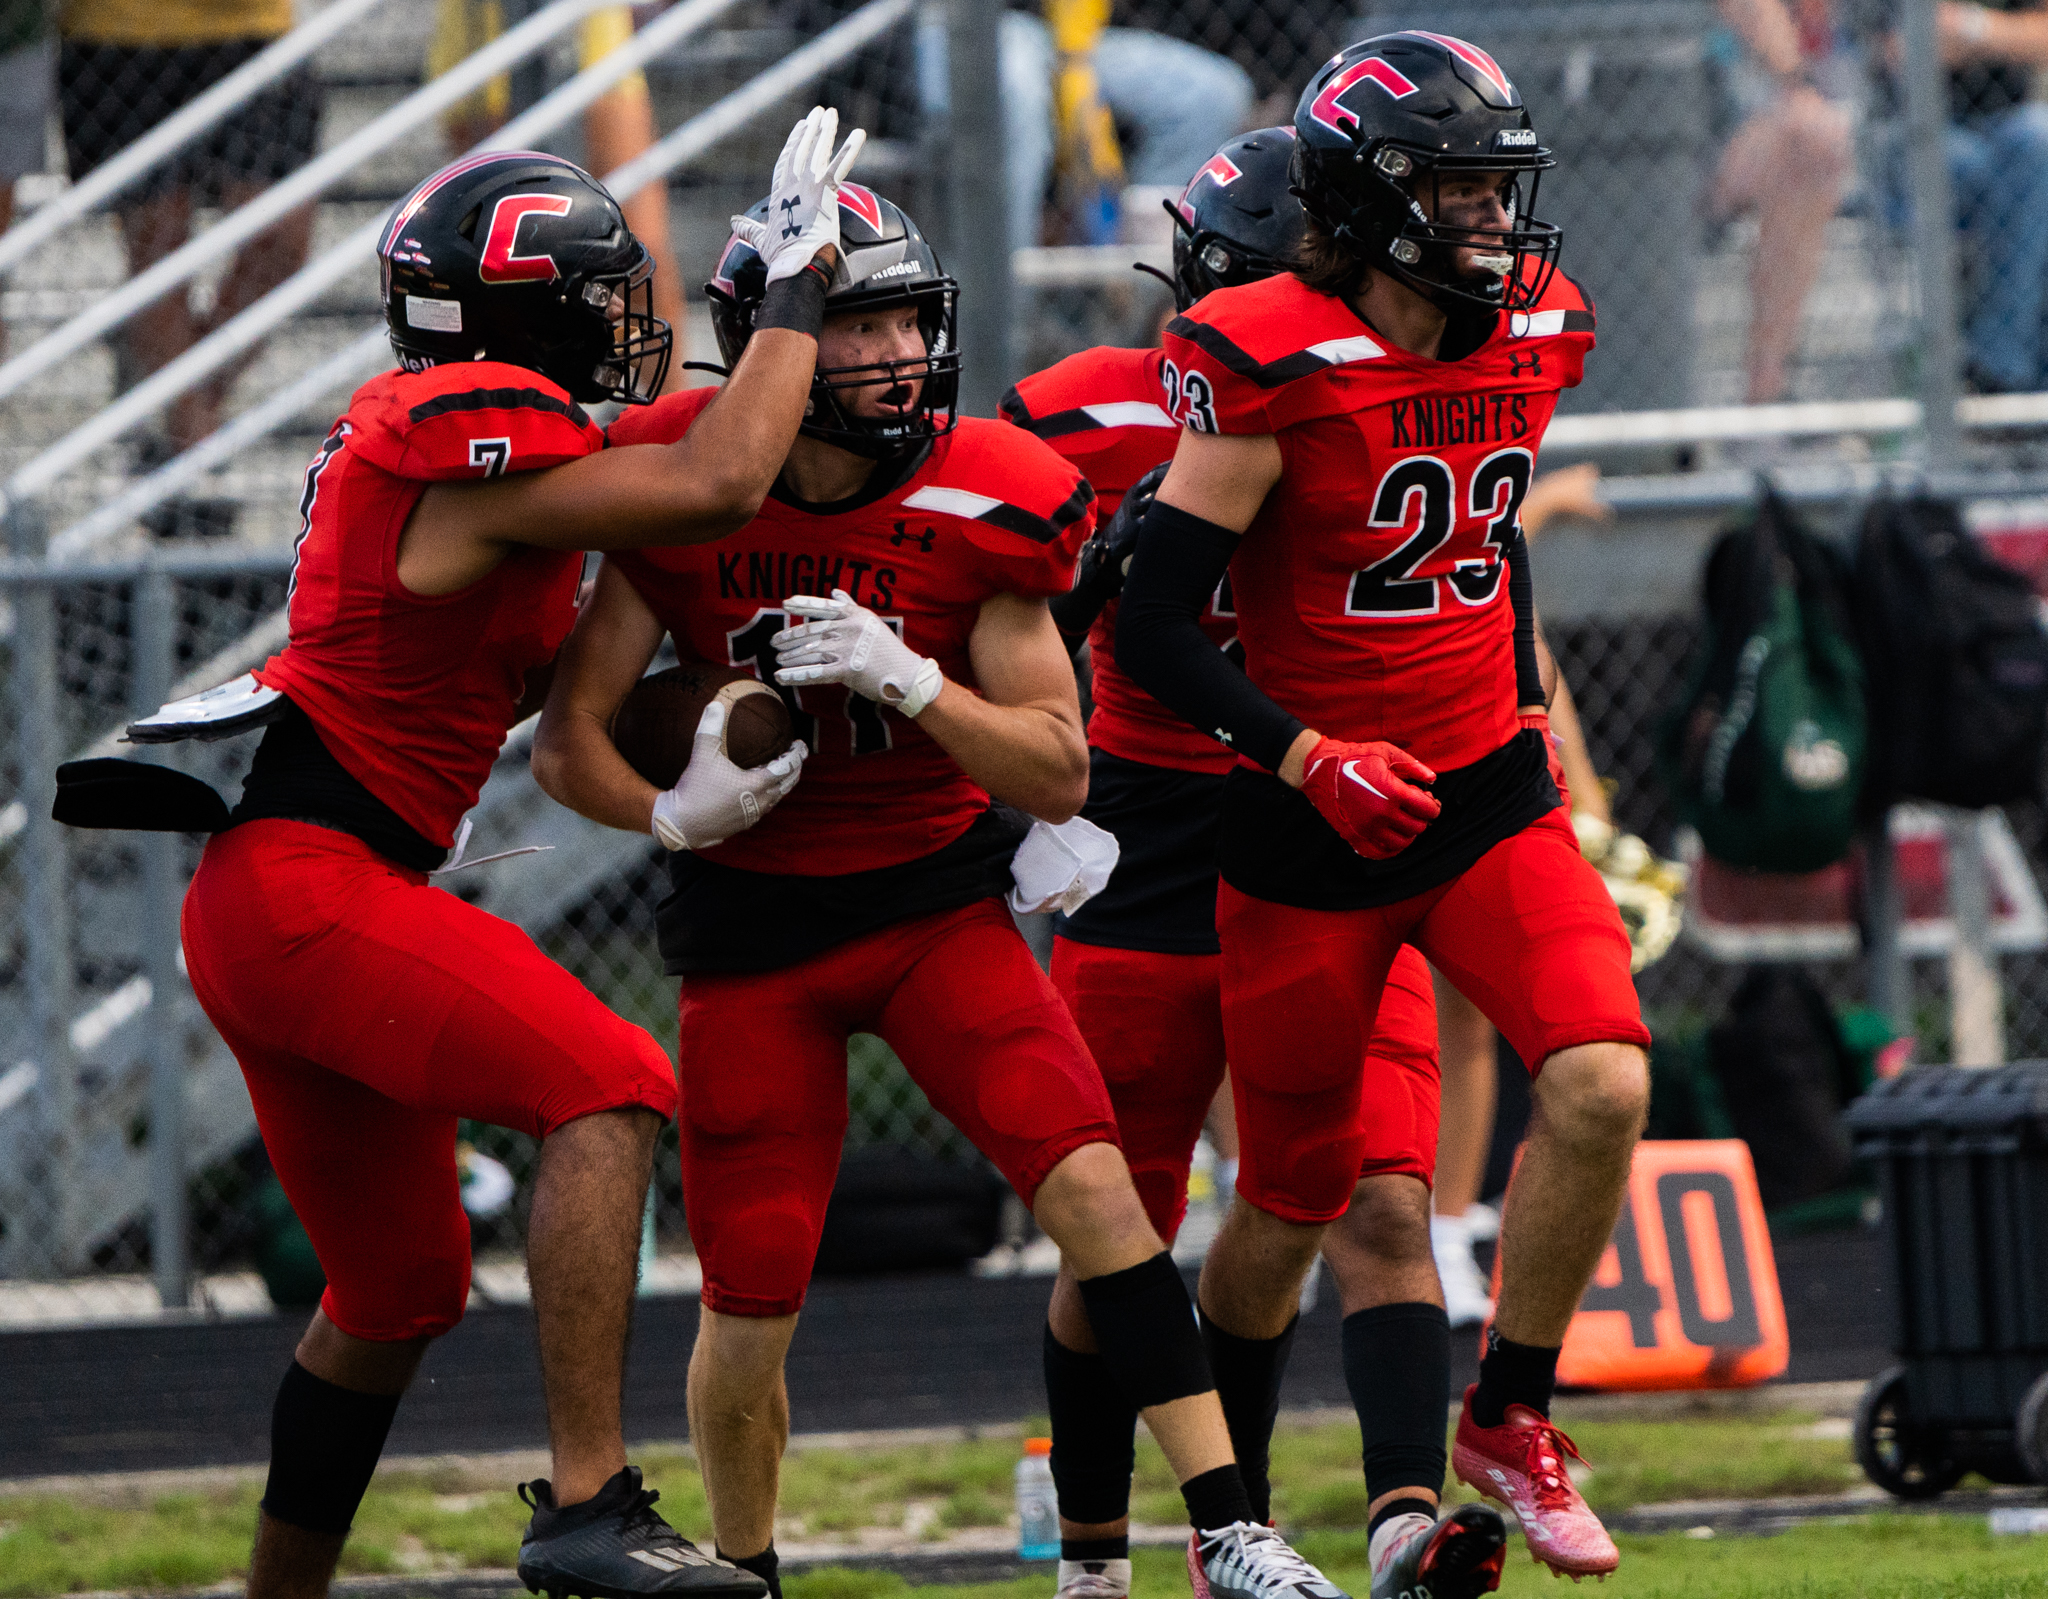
843 642
715 799
803 201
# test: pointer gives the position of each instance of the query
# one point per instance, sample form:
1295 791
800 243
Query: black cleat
617 1546
1459 1557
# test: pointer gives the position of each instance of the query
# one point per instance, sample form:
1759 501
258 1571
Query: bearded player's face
1476 203
871 338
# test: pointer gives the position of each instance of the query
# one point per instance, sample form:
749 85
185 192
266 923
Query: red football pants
1154 1023
1528 933
979 1028
369 1013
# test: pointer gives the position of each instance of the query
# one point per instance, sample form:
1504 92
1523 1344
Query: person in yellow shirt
122 67
618 126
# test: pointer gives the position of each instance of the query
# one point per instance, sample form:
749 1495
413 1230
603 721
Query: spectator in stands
618 126
1278 44
1788 161
122 67
1174 103
1998 154
27 63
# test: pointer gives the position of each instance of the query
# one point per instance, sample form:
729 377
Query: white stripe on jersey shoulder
953 502
1535 324
1131 414
1341 352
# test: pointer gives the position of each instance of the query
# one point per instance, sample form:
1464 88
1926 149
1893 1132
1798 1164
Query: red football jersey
413 693
1105 410
1370 590
987 512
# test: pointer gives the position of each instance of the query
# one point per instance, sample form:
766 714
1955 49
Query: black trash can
1961 1158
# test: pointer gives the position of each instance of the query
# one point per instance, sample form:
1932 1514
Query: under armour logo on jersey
1328 108
502 262
1533 360
924 541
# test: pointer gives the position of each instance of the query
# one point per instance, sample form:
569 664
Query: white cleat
1466 1300
1094 1579
1248 1561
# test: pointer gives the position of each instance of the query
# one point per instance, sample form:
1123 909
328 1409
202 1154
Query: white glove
1061 868
803 201
715 799
843 642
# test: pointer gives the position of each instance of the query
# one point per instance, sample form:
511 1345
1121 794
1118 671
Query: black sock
1216 1499
1400 1507
764 1565
1397 1364
1096 1548
1093 1429
1513 1374
1248 1373
324 1444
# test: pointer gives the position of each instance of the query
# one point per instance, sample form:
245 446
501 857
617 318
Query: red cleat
1521 1463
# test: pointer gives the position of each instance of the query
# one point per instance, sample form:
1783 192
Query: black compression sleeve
1160 643
1522 596
1074 613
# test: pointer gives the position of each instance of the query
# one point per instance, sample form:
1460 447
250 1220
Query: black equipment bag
1782 1066
1957 660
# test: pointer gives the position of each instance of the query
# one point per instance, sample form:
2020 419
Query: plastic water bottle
1038 1509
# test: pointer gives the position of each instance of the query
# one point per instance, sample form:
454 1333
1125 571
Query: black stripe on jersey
1266 374
1040 529
1578 321
1011 408
1059 424
497 400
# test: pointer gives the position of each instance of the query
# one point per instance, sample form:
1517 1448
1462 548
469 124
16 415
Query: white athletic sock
1392 1533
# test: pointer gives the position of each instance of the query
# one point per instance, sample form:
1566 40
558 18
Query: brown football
656 722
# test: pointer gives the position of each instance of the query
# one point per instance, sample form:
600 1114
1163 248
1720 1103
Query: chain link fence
1653 108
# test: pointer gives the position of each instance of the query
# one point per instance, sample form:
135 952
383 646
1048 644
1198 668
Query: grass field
451 1519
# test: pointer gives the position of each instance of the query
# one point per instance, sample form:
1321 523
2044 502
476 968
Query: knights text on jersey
412 693
985 512
1371 593
1105 410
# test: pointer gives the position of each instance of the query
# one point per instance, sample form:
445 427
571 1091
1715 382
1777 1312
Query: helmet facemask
831 420
1420 250
640 343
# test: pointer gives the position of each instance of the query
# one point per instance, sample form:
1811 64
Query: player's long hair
1325 265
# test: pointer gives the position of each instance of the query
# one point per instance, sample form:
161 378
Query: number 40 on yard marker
1686 1295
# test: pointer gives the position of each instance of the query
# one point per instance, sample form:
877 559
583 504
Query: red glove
1367 792
1540 720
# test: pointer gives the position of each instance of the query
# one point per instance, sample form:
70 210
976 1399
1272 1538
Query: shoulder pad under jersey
471 419
1231 354
1024 509
663 422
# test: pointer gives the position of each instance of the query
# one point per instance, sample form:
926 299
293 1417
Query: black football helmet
1237 221
525 258
1386 117
884 260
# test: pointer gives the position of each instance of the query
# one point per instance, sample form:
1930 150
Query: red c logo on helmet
862 203
1327 108
1220 167
501 262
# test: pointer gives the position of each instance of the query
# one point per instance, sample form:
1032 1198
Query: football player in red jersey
442 531
1358 435
1138 963
895 588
